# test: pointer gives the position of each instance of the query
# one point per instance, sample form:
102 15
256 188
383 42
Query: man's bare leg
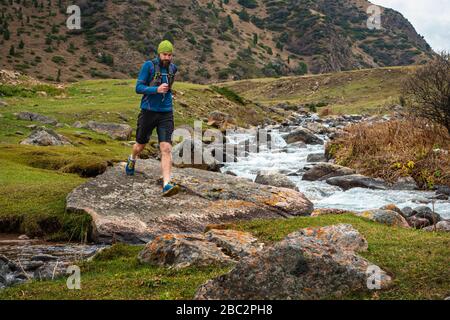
166 161
137 149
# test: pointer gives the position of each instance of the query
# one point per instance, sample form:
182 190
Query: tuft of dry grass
397 148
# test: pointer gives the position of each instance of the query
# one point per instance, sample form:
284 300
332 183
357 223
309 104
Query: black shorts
149 120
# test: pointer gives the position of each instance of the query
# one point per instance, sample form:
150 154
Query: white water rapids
286 159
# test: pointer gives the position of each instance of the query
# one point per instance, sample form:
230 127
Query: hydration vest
158 77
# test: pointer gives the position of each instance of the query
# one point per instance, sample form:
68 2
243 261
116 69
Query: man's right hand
163 88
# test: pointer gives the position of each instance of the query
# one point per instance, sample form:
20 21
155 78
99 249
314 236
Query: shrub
427 91
396 148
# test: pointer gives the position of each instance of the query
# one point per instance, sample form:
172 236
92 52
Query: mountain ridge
214 40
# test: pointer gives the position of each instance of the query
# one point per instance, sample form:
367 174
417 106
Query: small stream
291 160
35 259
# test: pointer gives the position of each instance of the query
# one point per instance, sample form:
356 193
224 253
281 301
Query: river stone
405 183
45 137
31 116
407 212
310 264
388 217
317 128
427 213
325 170
441 226
445 190
303 134
10 272
393 207
418 223
181 251
276 180
131 209
357 181
116 131
316 157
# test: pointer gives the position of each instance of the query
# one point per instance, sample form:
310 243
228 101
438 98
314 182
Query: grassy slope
345 92
36 180
417 259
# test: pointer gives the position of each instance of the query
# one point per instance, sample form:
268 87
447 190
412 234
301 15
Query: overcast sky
431 18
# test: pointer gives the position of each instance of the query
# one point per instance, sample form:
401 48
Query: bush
58 60
250 4
396 148
427 91
229 94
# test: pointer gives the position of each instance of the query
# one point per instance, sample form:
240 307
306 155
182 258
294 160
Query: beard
165 63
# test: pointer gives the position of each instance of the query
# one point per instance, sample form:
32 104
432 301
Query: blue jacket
152 100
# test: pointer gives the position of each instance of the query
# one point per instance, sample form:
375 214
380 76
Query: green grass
361 91
418 261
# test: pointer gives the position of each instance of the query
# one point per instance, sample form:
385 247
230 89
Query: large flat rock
131 209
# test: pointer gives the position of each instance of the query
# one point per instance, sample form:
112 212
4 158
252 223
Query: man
155 82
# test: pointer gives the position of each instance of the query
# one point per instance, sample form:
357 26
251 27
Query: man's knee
166 148
139 147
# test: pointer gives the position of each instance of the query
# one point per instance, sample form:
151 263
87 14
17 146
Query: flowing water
291 159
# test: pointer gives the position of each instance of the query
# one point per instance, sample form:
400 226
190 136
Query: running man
155 82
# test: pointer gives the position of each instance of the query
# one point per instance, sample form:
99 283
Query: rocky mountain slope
220 39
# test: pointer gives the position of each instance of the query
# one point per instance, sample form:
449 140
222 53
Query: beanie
165 46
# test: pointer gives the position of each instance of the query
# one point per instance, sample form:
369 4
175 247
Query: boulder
276 180
221 120
215 247
116 131
131 209
388 217
181 251
427 213
393 207
316 157
31 116
3 103
441 226
445 190
10 272
308 264
304 135
317 128
405 183
343 236
325 170
45 137
407 212
418 223
193 153
357 181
